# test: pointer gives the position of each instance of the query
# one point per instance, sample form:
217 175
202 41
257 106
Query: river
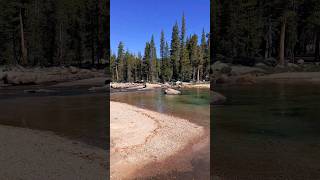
267 131
72 112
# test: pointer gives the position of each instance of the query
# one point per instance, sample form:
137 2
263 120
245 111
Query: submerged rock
218 98
170 91
106 87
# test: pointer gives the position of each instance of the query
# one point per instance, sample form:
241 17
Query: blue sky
134 21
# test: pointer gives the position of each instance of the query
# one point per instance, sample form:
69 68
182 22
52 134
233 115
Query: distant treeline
265 29
184 60
53 32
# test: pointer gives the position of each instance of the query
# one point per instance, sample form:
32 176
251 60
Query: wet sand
32 154
145 143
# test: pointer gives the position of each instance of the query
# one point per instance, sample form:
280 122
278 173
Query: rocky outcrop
170 91
22 76
245 79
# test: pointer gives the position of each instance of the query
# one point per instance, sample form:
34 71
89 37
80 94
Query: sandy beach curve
144 142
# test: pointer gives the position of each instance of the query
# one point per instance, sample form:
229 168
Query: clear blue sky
134 21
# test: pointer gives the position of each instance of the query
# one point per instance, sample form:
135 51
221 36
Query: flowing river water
267 131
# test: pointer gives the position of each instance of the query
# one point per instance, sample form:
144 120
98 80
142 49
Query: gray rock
106 87
170 91
241 70
219 66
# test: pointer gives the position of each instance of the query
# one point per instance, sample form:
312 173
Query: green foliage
54 32
250 29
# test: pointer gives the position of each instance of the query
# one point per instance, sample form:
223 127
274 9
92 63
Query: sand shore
31 154
146 143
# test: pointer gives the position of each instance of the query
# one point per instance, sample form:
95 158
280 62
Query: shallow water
267 131
192 105
71 112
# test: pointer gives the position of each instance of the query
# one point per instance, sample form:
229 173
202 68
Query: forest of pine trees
183 59
249 30
53 32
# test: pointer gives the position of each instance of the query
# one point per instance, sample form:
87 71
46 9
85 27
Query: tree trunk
61 44
317 41
198 75
23 47
117 74
193 74
268 40
282 41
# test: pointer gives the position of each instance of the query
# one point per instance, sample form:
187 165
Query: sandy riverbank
146 143
32 154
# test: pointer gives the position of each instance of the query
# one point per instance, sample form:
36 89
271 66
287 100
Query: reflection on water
192 104
83 117
273 128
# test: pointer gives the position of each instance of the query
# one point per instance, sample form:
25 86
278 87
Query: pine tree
120 62
175 52
153 72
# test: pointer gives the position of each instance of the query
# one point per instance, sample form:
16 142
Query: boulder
17 78
73 70
218 98
178 83
271 61
171 91
245 79
221 67
240 70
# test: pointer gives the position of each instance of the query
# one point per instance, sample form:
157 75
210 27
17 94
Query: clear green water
274 129
193 104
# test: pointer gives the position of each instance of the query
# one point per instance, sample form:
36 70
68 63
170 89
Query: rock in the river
170 91
218 98
106 87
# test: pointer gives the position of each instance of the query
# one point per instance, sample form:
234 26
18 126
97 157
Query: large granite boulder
171 91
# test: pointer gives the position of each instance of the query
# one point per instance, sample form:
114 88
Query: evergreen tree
175 52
